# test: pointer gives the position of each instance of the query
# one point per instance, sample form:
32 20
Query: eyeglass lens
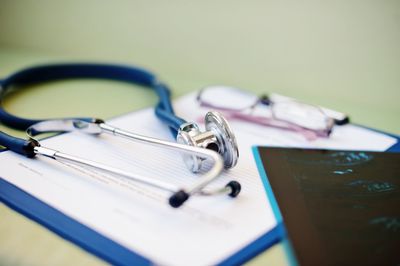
304 115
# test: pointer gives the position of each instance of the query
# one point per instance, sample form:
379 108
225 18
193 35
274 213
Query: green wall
343 54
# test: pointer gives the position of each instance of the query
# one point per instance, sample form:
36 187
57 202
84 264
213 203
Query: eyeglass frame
308 133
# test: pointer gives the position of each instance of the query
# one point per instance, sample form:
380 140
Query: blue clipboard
101 246
289 252
114 253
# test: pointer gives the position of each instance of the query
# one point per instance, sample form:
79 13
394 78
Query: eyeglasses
308 120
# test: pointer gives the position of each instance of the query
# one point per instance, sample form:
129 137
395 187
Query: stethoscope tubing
45 73
163 110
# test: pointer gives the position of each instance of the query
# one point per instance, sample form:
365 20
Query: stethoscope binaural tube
164 111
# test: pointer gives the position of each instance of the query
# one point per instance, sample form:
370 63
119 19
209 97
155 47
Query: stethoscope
217 142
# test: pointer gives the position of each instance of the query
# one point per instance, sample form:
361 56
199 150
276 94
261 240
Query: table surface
342 55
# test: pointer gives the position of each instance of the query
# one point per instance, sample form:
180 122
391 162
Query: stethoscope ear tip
235 188
178 198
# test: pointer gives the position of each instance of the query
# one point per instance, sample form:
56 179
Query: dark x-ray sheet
339 207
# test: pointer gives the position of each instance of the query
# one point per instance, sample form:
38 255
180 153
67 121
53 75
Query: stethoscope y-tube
164 110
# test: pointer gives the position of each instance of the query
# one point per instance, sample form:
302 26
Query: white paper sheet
206 230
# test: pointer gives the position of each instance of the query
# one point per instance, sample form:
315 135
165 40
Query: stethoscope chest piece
217 137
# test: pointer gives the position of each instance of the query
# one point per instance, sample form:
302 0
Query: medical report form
206 230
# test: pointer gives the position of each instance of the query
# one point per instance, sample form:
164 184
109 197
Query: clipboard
288 248
103 247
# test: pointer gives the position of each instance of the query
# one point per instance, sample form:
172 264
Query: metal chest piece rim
218 136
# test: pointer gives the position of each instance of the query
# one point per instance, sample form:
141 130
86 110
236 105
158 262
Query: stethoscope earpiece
218 137
235 188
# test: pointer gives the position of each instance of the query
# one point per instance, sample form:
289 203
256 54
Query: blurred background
339 54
